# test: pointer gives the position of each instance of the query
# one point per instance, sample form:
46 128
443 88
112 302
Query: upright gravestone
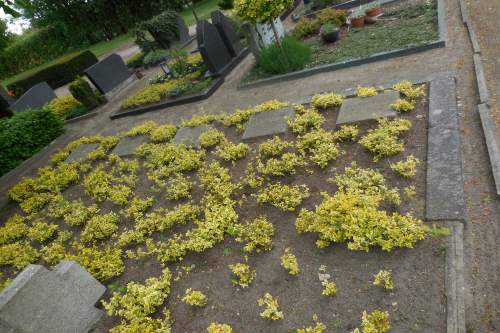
227 32
183 30
5 102
36 97
43 301
212 48
108 73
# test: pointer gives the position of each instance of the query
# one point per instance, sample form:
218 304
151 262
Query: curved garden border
441 42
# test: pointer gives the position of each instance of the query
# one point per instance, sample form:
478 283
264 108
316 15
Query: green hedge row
34 49
56 75
24 134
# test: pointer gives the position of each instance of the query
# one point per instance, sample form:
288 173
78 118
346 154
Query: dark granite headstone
212 48
183 30
108 73
36 97
227 32
5 102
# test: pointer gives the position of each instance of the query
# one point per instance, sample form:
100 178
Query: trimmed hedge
84 93
24 134
56 75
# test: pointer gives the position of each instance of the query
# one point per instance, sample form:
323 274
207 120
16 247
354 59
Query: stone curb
482 86
491 142
440 43
454 284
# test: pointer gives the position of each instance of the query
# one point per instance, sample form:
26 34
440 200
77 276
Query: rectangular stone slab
360 109
190 136
129 144
445 185
268 123
81 152
443 103
43 301
36 97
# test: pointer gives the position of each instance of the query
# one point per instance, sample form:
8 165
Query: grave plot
320 225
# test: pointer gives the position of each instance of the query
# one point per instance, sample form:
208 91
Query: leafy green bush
162 28
226 4
306 27
77 111
24 134
136 61
56 75
293 56
155 57
83 92
34 48
337 17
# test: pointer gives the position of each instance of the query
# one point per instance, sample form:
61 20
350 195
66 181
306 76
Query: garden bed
417 303
405 28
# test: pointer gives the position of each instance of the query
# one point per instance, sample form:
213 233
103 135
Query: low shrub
136 61
83 92
292 56
61 106
337 17
155 57
56 75
77 111
306 27
24 134
226 4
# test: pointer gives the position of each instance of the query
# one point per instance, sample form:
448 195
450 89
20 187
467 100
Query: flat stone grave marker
268 123
108 73
359 109
56 301
227 32
300 100
212 48
190 136
129 144
36 97
81 152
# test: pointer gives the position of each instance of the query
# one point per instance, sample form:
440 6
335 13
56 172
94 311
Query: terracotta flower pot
358 22
374 12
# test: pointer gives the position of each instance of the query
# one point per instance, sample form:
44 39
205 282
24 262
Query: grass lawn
400 28
203 10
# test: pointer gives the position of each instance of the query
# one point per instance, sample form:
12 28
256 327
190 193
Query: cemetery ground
419 269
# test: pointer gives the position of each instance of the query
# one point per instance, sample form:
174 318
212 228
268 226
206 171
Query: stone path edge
184 99
483 107
439 43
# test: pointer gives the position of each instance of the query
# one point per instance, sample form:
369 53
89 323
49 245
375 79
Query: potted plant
373 9
330 33
358 18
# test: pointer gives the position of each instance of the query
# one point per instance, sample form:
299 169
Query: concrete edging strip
482 86
491 142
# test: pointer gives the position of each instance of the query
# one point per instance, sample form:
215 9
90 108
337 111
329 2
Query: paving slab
190 136
359 109
268 123
443 110
81 152
445 184
57 301
129 144
300 100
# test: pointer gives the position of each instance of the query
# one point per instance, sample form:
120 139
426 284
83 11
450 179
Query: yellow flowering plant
195 298
384 278
384 140
328 100
289 262
219 328
406 168
271 308
243 274
257 235
402 105
284 197
366 91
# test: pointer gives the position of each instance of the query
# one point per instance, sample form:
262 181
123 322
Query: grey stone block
108 73
36 97
482 86
300 100
445 185
190 136
359 109
81 152
491 143
268 123
58 301
443 103
129 144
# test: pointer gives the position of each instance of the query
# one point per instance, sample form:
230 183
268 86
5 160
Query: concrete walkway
482 230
